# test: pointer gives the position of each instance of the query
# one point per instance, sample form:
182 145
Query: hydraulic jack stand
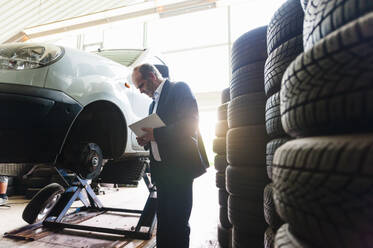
145 225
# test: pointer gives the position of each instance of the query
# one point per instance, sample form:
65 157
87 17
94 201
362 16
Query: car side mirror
163 69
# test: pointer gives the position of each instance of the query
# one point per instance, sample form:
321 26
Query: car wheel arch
101 122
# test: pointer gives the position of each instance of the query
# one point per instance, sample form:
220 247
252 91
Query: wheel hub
91 161
95 161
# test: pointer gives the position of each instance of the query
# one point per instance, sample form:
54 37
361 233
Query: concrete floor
203 222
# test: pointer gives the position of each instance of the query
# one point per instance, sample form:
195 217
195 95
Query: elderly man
176 155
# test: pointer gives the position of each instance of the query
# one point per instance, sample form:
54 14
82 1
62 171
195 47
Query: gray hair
146 69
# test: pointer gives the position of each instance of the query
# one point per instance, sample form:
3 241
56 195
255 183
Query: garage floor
203 220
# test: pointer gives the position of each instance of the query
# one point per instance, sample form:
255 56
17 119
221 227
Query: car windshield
125 57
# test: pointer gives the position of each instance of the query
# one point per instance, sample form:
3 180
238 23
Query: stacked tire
11 189
285 43
14 173
36 179
322 181
69 177
219 147
246 140
126 171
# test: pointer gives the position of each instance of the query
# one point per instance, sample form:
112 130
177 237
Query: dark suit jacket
183 157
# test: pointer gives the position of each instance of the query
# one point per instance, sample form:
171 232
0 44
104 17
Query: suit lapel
163 96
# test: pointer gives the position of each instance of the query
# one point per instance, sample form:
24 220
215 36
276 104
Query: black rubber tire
278 61
125 171
10 181
270 214
31 192
70 177
246 110
223 217
246 182
304 4
242 239
248 79
325 16
220 162
224 236
270 152
41 201
222 112
14 169
221 128
219 145
220 180
11 190
285 239
247 215
273 117
225 95
286 23
329 89
269 238
57 179
323 187
246 145
223 197
249 48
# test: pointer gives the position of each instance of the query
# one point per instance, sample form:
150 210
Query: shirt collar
158 91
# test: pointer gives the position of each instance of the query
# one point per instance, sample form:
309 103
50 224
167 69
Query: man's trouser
173 211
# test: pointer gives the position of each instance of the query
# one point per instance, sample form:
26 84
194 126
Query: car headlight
27 56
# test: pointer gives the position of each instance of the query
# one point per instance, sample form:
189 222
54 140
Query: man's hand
149 136
141 141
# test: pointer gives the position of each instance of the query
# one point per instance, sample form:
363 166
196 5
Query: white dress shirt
154 145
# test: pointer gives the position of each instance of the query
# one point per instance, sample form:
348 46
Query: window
247 16
125 35
202 69
92 40
65 40
201 28
92 37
